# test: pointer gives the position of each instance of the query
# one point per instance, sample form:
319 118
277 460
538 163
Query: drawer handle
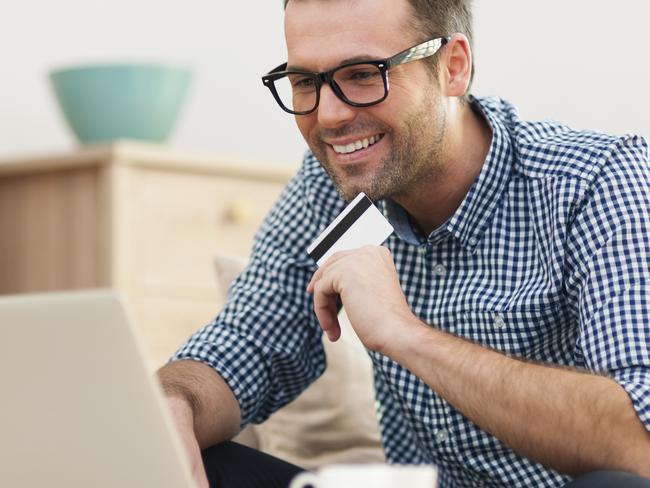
239 212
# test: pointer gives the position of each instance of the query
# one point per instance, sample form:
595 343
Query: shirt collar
473 216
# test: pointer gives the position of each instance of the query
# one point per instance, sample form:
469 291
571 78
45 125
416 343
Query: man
508 317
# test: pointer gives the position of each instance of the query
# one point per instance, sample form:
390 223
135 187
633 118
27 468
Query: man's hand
203 408
367 282
184 420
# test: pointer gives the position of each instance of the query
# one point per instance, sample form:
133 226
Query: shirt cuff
240 367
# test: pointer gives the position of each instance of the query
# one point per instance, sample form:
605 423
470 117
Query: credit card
360 224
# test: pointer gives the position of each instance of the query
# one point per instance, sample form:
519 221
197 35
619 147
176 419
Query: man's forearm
571 421
212 405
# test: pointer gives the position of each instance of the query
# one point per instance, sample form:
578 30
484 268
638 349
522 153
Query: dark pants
609 479
231 465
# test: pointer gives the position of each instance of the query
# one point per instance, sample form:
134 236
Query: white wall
585 62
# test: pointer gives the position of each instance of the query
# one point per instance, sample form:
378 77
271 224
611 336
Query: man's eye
302 83
362 75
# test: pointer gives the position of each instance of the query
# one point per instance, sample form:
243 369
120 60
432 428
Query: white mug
371 475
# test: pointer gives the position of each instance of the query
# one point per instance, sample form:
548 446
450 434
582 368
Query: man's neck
467 142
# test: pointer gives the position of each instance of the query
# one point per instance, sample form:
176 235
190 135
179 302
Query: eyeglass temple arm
424 50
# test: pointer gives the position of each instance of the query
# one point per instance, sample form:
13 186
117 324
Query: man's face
404 134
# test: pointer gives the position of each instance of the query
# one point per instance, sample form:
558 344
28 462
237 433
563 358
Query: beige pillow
332 421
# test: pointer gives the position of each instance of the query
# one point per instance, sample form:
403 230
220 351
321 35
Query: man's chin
345 191
351 180
348 186
348 190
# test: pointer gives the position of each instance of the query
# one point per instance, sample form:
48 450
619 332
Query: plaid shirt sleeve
608 258
266 342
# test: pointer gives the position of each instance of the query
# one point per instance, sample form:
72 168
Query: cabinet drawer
179 221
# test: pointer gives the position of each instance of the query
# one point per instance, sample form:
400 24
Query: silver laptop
78 406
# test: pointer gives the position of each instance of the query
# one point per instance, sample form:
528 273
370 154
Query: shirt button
473 241
442 435
499 321
439 270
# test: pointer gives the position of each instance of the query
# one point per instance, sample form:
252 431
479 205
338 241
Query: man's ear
456 66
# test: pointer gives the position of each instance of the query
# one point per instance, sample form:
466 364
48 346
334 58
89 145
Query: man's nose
332 111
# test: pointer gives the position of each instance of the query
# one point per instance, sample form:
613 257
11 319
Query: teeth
355 146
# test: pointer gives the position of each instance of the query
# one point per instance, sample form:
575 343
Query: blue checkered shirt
547 258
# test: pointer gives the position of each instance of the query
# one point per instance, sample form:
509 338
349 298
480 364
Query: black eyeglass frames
359 84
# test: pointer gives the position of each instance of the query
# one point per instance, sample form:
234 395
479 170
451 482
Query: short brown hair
441 17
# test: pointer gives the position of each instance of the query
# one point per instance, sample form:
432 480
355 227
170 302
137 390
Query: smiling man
508 316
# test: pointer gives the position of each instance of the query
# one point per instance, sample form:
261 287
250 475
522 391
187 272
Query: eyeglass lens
359 83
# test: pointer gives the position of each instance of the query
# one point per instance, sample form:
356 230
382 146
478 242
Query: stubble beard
415 158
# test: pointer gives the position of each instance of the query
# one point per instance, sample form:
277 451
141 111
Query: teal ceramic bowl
106 102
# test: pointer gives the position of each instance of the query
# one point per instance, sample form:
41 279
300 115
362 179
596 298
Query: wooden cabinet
138 218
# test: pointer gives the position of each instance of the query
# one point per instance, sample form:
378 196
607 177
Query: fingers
328 282
333 259
325 300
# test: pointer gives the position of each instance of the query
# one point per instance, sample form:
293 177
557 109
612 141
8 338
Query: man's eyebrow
356 59
293 67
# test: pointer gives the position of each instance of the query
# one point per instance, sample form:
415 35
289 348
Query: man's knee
608 479
230 465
